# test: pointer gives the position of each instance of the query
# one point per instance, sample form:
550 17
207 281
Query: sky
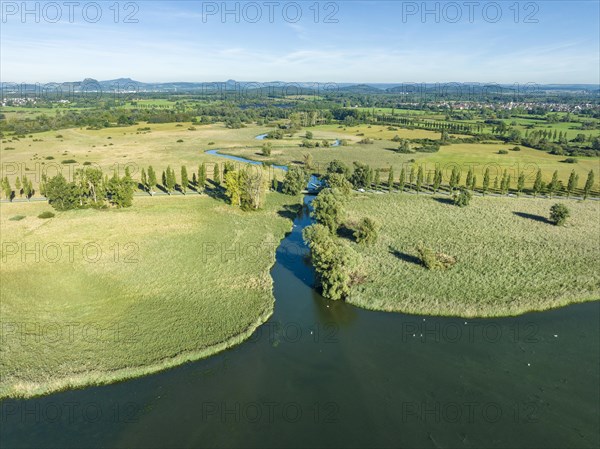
543 42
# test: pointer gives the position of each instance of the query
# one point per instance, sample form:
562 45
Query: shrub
502 151
179 140
559 214
17 218
366 232
49 158
266 149
366 141
45 215
59 136
570 160
516 149
462 198
69 161
434 261
87 163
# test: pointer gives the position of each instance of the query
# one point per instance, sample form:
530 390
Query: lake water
326 374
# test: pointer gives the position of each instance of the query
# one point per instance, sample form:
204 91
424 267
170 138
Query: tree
473 182
18 186
505 183
486 181
6 188
62 195
309 135
328 209
253 183
454 178
462 198
362 176
308 161
402 180
553 185
469 179
390 182
419 179
170 180
589 183
201 178
152 181
144 179
294 181
334 262
437 179
27 188
337 166
217 175
572 184
92 189
338 182
377 179
184 179
411 176
119 191
559 214
232 188
537 184
366 232
520 183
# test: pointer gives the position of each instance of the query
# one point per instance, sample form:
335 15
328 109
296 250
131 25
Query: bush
516 149
266 149
570 160
46 214
366 141
434 261
69 161
179 140
559 214
17 218
462 198
366 232
49 158
502 151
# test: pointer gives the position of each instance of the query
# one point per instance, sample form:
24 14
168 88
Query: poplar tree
589 183
486 181
537 184
152 181
184 179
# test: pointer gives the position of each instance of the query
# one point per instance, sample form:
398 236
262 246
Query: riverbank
510 259
137 291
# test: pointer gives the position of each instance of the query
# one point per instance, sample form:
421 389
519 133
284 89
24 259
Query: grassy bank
510 259
167 281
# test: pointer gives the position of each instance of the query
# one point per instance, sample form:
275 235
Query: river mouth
320 373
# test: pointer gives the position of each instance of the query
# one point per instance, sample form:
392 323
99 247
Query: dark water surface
327 374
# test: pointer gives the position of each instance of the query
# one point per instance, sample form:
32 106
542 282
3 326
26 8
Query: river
326 374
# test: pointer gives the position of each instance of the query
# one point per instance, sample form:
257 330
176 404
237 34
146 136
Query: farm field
510 260
168 280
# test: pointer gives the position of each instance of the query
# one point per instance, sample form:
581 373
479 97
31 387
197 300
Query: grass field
169 280
509 259
122 147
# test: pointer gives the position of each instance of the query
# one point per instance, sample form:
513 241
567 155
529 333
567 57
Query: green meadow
510 259
92 297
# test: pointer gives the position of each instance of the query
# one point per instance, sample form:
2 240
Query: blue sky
371 42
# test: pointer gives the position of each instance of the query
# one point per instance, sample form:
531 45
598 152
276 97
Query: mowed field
510 260
90 297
